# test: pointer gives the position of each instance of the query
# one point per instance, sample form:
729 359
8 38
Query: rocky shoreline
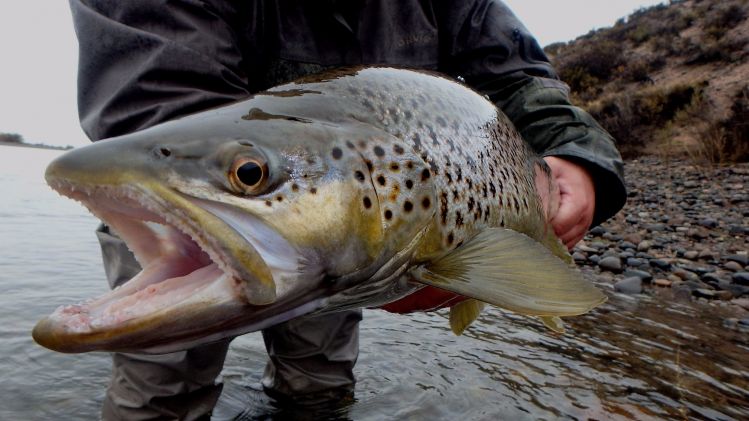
682 235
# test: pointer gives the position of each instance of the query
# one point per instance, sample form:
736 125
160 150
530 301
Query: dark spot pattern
337 153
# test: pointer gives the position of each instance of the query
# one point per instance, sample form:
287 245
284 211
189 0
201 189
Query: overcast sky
38 55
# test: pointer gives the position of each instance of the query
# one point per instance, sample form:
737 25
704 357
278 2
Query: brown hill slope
673 79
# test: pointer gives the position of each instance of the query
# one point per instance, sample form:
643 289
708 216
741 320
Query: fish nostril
162 152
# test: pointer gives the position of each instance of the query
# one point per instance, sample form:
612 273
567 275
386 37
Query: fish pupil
250 173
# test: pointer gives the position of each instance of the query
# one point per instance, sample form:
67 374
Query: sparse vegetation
644 79
11 138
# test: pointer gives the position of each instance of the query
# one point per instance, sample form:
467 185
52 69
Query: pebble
645 276
741 259
706 255
662 282
631 285
611 263
598 231
635 262
732 266
579 257
660 264
691 255
741 278
741 302
708 223
644 245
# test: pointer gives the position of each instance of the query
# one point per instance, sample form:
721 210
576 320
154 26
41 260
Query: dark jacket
143 62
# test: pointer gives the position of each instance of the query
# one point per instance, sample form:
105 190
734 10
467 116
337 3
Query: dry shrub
736 128
635 119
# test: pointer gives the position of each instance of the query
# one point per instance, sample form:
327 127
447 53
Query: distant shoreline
36 146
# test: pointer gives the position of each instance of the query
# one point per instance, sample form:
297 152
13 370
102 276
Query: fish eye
248 175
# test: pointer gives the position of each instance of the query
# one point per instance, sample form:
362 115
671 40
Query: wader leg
312 358
179 385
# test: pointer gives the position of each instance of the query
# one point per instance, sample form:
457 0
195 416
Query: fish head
240 220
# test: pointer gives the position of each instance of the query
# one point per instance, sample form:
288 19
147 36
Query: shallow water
632 358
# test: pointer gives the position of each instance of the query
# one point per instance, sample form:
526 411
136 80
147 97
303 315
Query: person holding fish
143 63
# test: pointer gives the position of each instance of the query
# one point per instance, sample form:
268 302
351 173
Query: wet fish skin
371 183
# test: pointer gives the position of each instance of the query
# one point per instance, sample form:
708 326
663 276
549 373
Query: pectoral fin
463 314
512 271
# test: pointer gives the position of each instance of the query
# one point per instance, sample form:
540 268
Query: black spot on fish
449 177
458 219
388 214
337 153
410 165
471 203
443 208
313 190
408 206
379 151
279 198
350 145
370 167
417 141
407 114
409 184
426 203
484 191
381 180
268 203
493 189
398 149
425 174
294 187
486 214
394 166
515 203
456 194
367 202
450 238
458 174
359 175
433 166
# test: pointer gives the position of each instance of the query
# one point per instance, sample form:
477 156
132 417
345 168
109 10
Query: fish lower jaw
116 309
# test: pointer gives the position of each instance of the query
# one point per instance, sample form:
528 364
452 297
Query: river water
632 358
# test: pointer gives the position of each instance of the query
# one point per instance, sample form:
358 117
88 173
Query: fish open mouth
192 277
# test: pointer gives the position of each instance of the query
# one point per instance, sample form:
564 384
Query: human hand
571 202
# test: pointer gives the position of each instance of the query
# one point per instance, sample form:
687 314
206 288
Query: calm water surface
633 358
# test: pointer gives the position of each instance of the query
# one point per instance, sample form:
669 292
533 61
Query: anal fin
463 314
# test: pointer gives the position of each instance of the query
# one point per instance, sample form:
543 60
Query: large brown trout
352 188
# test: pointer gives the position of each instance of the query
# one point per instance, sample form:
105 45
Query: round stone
741 278
611 264
665 283
631 285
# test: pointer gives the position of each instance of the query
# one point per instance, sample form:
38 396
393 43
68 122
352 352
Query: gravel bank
682 235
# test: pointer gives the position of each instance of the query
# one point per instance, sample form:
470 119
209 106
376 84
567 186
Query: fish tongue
156 296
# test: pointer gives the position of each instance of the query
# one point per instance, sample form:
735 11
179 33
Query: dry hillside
670 79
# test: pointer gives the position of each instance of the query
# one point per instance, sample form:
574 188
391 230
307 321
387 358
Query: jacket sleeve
489 47
142 62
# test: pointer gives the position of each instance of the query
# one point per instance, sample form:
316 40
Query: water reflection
633 358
